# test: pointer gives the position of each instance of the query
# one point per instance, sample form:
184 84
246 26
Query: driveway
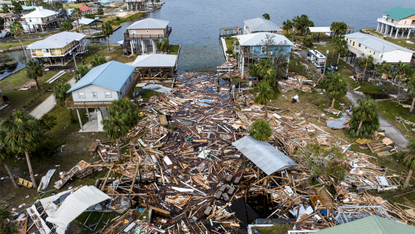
47 105
391 131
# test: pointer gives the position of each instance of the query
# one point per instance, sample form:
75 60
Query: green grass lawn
230 43
174 49
17 43
122 20
390 110
278 228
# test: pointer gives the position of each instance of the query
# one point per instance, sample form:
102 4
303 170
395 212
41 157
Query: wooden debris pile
295 83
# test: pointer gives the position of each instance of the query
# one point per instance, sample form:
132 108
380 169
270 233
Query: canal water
18 55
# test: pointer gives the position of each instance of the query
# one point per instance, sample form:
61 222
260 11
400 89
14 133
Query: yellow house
59 46
397 22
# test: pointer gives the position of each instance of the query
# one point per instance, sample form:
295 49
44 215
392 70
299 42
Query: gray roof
254 39
375 43
261 25
155 60
149 23
58 40
264 155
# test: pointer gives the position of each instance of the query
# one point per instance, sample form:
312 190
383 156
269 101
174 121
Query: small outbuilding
152 65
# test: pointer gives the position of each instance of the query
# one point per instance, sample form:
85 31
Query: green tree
107 31
365 118
340 46
100 11
287 25
63 13
122 116
23 135
16 29
409 160
77 15
260 130
5 8
401 69
265 94
411 89
34 71
163 45
89 16
322 161
364 63
66 25
266 16
98 60
308 41
302 23
60 93
82 71
6 227
338 28
5 155
335 85
17 8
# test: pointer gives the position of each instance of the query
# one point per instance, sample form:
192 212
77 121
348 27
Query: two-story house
399 20
362 44
141 36
260 25
100 86
60 47
255 46
41 19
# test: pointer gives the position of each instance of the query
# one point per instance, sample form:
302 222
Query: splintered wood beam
106 178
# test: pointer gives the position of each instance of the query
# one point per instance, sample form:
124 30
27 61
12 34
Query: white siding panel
397 55
89 94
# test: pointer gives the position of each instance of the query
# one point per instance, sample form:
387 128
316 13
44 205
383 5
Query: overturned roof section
111 75
40 13
319 29
86 21
58 40
261 25
258 38
74 205
375 43
264 155
155 60
149 23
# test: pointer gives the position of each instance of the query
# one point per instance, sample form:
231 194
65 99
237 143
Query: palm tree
260 130
401 69
411 89
266 16
366 112
164 45
409 160
121 117
23 135
82 70
97 60
34 71
340 47
16 29
60 93
107 31
265 94
5 154
364 63
335 85
66 25
287 25
77 15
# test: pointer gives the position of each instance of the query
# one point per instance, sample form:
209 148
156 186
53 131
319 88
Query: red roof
84 8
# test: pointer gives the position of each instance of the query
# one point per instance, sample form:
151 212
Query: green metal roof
399 12
371 224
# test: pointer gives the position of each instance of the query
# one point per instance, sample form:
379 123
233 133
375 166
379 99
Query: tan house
141 36
399 21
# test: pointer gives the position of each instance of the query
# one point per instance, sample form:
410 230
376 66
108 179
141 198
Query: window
45 50
94 94
360 44
133 33
262 49
374 52
81 95
147 31
353 43
404 22
108 94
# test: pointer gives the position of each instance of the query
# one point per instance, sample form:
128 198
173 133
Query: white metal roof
149 23
261 25
58 40
375 43
257 38
86 21
40 12
74 205
264 155
155 60
319 29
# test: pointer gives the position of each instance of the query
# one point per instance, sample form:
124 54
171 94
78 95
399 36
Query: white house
260 25
363 44
40 19
100 86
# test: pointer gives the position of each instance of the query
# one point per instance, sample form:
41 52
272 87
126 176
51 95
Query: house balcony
396 25
148 36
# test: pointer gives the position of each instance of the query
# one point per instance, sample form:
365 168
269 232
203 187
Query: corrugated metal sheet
58 40
264 155
261 25
149 23
375 43
111 75
74 205
155 60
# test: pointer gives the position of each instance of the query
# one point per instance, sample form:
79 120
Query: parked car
334 66
328 70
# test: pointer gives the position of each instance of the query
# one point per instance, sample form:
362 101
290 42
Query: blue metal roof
111 75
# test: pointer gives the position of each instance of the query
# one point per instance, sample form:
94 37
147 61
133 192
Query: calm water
12 55
196 23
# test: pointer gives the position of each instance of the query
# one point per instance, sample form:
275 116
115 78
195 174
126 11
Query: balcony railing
397 25
166 35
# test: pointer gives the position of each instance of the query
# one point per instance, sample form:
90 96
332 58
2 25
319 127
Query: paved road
390 130
47 105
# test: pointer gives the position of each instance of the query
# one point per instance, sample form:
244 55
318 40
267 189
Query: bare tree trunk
412 105
24 50
399 88
118 150
10 175
407 179
364 72
358 129
70 113
266 111
37 84
328 101
332 104
108 40
338 60
29 165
